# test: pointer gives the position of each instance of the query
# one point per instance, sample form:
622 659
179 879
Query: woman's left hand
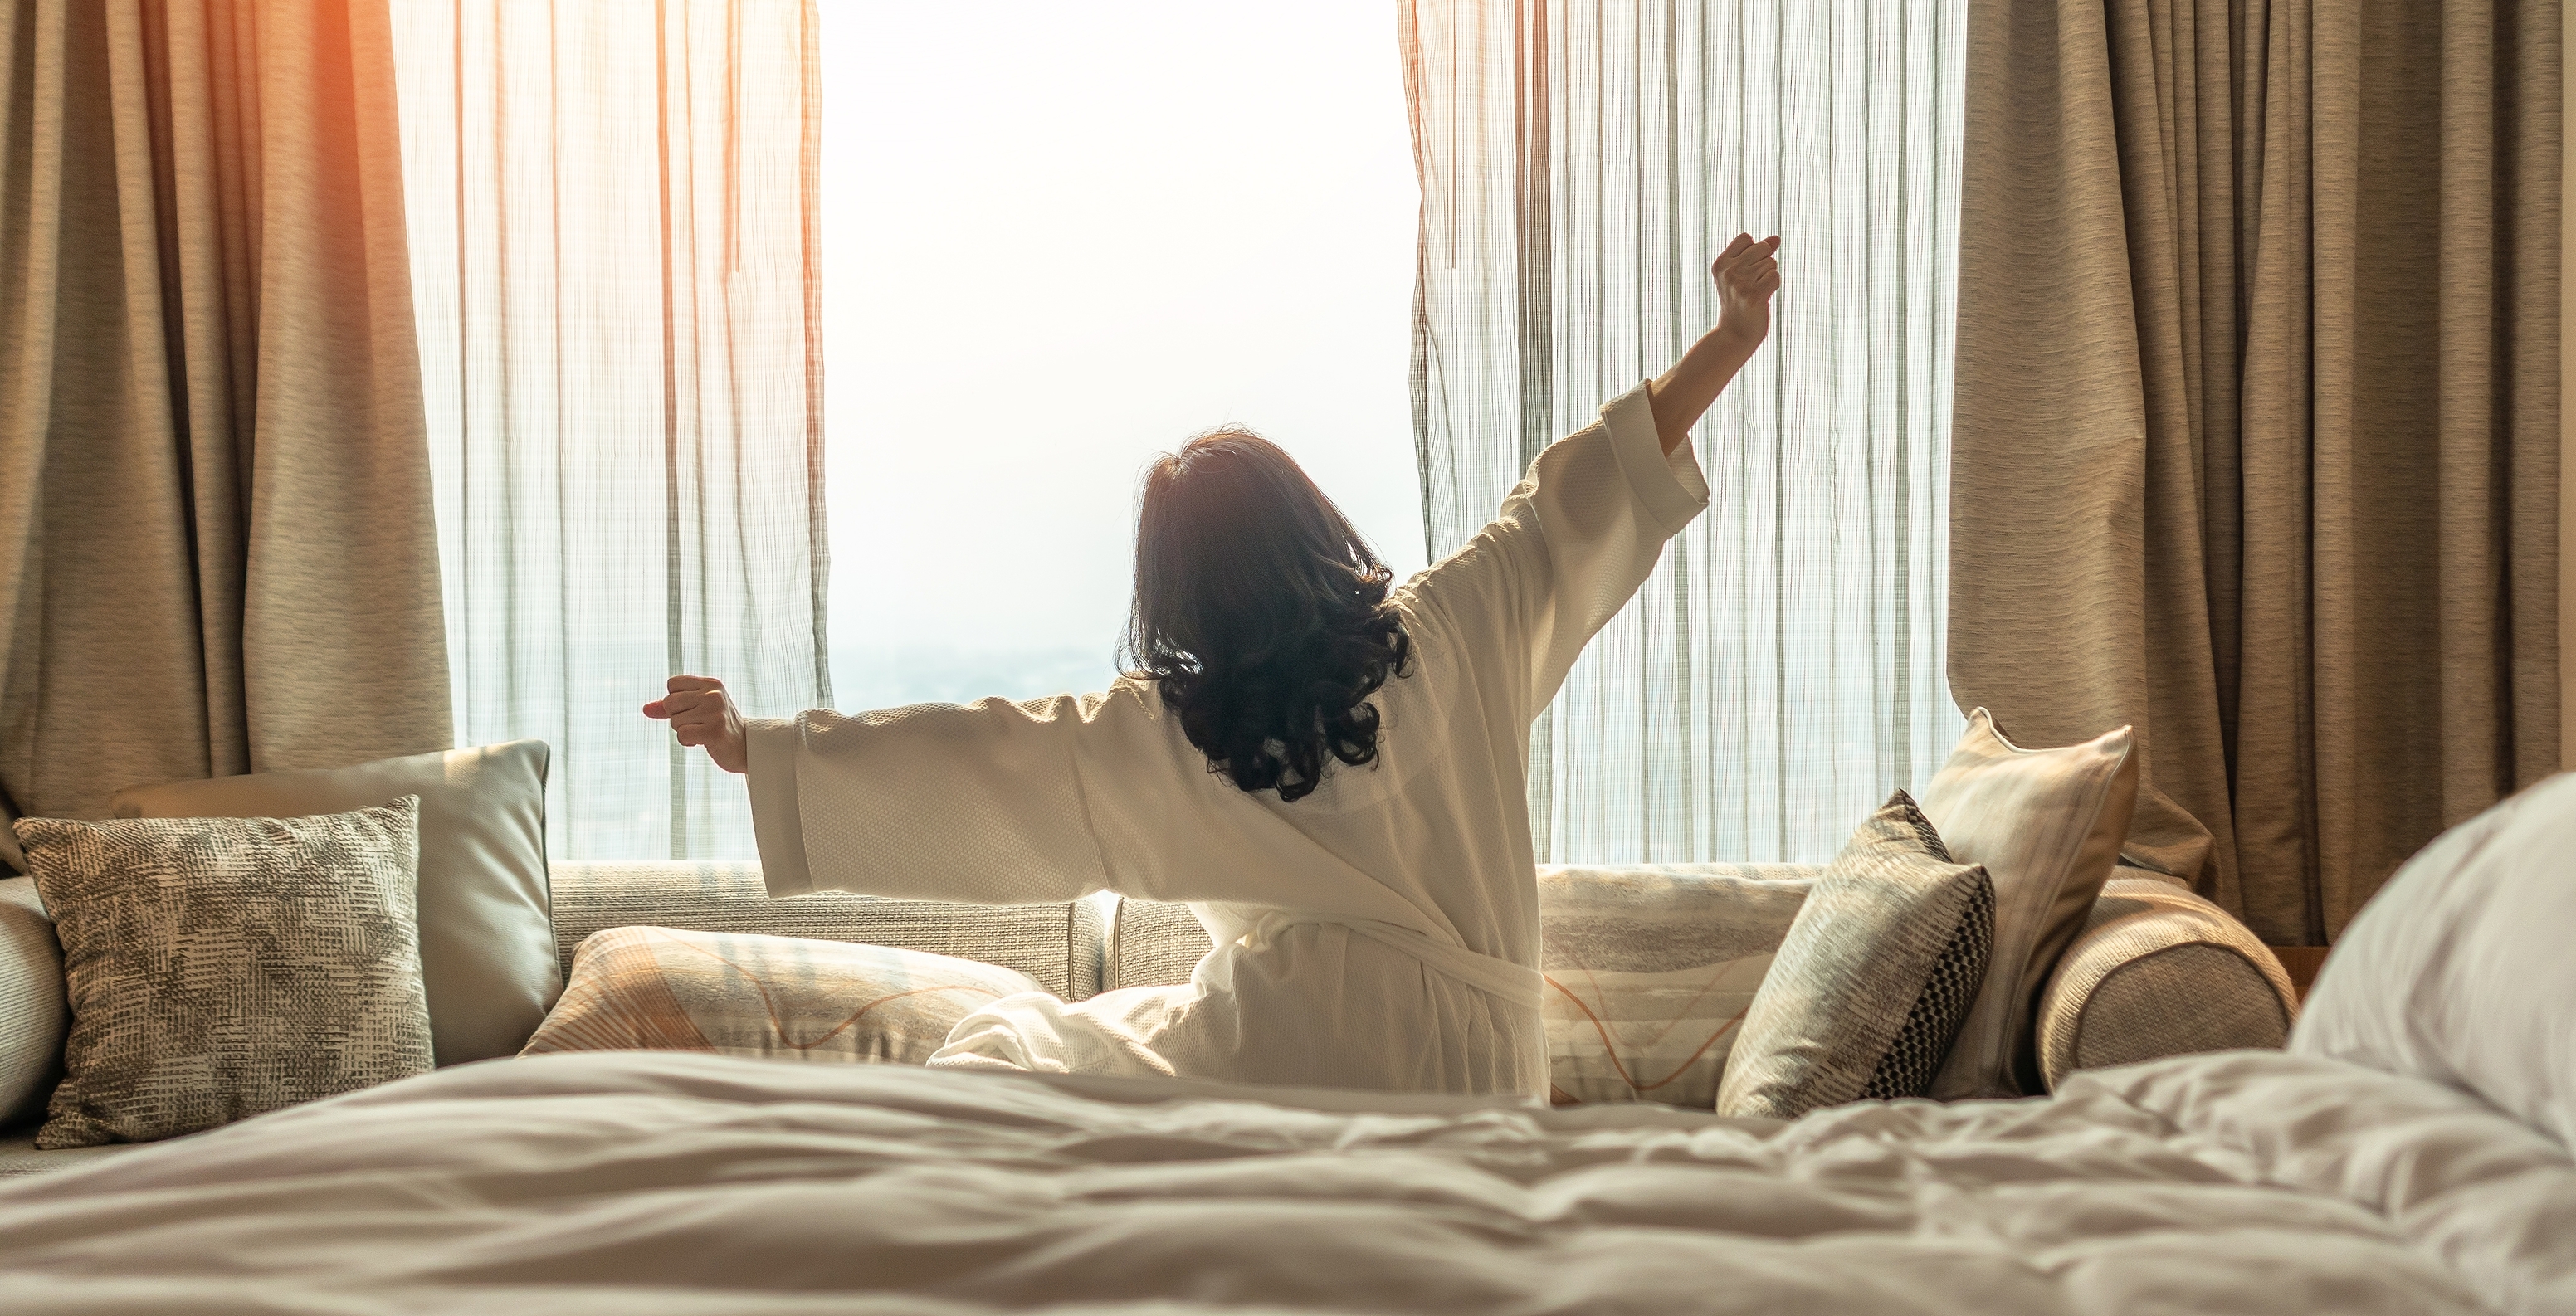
1747 274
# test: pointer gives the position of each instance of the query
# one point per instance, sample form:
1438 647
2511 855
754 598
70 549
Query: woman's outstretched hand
1747 273
701 713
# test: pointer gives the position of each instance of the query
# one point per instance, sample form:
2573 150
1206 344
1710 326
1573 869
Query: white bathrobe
1380 933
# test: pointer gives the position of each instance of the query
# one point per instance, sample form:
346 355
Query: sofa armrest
1057 944
34 1017
2158 972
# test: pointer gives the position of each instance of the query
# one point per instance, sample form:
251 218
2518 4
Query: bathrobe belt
1517 984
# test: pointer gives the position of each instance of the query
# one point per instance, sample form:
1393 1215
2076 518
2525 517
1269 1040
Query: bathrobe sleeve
1573 542
1031 802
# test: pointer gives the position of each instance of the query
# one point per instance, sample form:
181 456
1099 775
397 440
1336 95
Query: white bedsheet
634 1183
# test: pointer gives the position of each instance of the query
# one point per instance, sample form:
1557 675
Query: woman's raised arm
1747 274
1584 527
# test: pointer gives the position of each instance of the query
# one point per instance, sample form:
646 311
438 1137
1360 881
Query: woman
1330 773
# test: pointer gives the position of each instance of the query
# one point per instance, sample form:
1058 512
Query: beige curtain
217 553
2256 430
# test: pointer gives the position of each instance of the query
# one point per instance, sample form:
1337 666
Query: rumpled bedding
653 1183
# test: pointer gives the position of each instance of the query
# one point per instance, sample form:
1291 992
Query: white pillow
2047 824
2462 970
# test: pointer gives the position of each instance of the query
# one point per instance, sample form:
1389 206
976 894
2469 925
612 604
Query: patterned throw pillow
221 967
1874 978
744 994
1649 971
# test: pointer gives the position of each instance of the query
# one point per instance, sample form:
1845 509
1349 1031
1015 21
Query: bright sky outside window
1058 239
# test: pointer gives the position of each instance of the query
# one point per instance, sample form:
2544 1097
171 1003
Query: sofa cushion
18 1154
1869 987
221 967
779 998
2159 972
487 952
2047 825
33 1015
1056 944
1152 943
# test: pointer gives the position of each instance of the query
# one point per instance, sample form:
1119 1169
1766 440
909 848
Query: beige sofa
2159 972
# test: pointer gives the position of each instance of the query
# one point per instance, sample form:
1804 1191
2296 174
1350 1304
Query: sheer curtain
614 255
1581 165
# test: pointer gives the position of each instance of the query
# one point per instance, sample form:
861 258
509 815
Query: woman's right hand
1747 274
701 713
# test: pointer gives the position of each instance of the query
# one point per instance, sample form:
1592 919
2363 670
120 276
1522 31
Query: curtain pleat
1581 164
2256 442
616 255
217 546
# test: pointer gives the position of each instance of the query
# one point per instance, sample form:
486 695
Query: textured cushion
1057 944
784 998
33 1016
1874 978
2159 972
2459 970
2047 825
1649 971
1152 943
486 950
218 968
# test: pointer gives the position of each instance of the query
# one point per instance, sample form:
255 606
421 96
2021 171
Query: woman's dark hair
1261 613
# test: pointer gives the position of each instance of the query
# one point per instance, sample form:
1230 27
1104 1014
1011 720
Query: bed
2407 1154
2234 1182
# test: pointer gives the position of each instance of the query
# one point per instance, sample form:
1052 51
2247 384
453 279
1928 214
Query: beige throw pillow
2047 824
221 967
784 998
487 944
1872 981
33 1017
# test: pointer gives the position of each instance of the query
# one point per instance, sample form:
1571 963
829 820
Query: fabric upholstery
216 531
780 998
1152 943
18 1154
487 950
1580 167
1649 971
31 1003
2046 824
1868 989
2459 970
1054 943
2157 972
2225 468
218 968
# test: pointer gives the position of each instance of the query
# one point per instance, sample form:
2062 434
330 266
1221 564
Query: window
1059 239
1053 240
